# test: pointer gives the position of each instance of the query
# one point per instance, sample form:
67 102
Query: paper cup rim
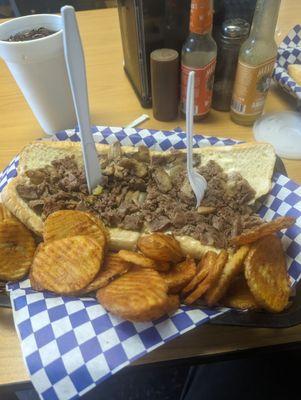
28 42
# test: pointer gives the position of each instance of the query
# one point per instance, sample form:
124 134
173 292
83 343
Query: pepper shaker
233 33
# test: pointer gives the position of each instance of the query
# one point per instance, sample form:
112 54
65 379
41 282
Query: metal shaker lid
235 28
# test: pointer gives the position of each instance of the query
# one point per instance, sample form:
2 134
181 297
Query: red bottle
199 55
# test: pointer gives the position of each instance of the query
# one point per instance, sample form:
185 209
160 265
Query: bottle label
203 86
200 16
251 87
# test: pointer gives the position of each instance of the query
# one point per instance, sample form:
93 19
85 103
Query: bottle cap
235 28
201 16
283 131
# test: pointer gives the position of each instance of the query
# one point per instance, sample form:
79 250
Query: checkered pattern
285 199
154 139
289 52
70 344
8 173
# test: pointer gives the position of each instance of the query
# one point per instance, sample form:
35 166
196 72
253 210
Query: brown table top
113 103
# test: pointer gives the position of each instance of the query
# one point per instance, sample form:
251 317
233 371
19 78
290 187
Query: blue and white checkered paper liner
70 345
289 52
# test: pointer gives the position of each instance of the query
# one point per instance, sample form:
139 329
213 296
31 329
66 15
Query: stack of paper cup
39 68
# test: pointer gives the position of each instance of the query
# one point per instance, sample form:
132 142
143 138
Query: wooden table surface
113 103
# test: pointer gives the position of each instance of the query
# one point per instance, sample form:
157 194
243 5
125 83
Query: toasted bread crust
17 206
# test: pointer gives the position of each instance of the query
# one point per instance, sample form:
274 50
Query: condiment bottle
233 33
255 65
199 55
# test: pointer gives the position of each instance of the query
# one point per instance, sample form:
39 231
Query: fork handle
189 117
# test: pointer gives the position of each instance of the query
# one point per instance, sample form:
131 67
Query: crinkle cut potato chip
67 265
163 266
179 275
137 259
34 285
216 263
160 247
140 295
112 267
204 284
173 303
202 271
17 248
213 266
232 268
239 295
68 223
266 274
263 230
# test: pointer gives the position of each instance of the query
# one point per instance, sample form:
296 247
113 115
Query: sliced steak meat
36 176
162 179
27 192
142 192
179 218
81 206
137 184
236 226
66 164
159 224
185 193
133 222
250 221
112 217
168 159
136 167
36 205
142 154
50 206
70 182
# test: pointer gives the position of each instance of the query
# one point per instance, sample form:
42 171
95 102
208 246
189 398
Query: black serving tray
256 319
4 301
261 319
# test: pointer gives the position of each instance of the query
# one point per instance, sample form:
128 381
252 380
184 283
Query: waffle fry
180 275
203 270
139 295
239 295
266 274
137 259
263 230
34 285
160 247
173 303
67 265
232 268
163 266
112 268
17 248
68 223
214 263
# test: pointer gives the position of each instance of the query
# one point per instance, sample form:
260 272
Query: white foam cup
39 69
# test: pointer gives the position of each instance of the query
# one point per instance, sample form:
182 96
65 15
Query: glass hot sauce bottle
255 65
199 55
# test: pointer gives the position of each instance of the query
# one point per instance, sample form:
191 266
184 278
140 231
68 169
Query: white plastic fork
197 182
75 62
